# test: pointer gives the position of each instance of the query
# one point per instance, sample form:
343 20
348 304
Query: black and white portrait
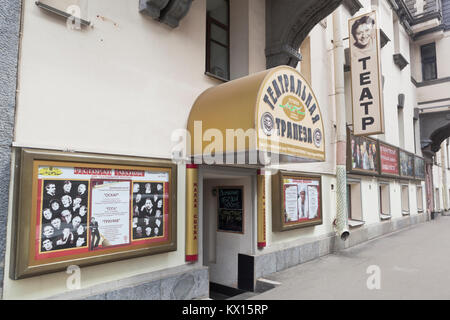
64 215
148 208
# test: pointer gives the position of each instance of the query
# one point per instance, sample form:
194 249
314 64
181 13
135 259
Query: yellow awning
274 111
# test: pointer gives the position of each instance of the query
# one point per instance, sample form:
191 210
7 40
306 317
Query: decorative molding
384 39
400 61
428 31
408 18
288 23
278 54
169 12
352 5
431 82
433 101
175 11
152 7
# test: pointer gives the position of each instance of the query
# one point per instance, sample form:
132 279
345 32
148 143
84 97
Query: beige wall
121 86
114 78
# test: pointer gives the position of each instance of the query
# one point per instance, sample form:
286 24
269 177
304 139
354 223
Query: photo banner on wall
419 168
367 99
389 160
406 164
362 155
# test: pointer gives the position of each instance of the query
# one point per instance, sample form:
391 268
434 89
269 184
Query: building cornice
169 12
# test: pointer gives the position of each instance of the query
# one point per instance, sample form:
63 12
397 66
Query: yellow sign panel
289 117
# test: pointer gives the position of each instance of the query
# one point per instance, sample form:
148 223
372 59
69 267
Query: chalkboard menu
230 209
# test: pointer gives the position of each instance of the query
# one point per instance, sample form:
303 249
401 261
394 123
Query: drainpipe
444 177
341 134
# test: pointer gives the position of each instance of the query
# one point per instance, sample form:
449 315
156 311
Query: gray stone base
171 284
266 264
365 233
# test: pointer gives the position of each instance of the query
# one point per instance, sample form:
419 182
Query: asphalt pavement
413 263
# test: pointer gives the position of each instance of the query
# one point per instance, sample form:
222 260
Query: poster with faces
80 209
148 209
63 214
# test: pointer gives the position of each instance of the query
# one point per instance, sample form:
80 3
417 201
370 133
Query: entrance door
228 224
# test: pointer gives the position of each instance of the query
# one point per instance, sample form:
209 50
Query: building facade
130 100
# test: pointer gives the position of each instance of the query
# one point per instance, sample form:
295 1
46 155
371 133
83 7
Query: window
218 38
385 207
437 200
419 195
405 200
354 204
429 68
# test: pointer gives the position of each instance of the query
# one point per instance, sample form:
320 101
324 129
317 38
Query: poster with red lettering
389 160
82 209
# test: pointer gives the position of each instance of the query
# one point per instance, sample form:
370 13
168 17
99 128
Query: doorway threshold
222 292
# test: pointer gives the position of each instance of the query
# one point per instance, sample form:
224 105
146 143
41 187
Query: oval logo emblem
293 108
267 123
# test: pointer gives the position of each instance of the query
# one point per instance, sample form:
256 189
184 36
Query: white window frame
419 208
355 185
384 215
402 186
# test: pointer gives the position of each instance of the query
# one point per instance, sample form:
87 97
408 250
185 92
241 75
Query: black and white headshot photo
148 208
64 214
363 35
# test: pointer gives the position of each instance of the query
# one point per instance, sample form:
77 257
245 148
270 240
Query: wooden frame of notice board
85 209
296 200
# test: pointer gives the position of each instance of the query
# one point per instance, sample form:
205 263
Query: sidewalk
413 264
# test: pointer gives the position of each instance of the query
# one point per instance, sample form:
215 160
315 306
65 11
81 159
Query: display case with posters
84 209
362 155
389 160
296 201
419 168
406 164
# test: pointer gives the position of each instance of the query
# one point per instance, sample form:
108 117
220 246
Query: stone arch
287 25
438 136
434 128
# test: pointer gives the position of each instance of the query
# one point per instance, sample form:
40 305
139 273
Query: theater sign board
366 75
276 109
